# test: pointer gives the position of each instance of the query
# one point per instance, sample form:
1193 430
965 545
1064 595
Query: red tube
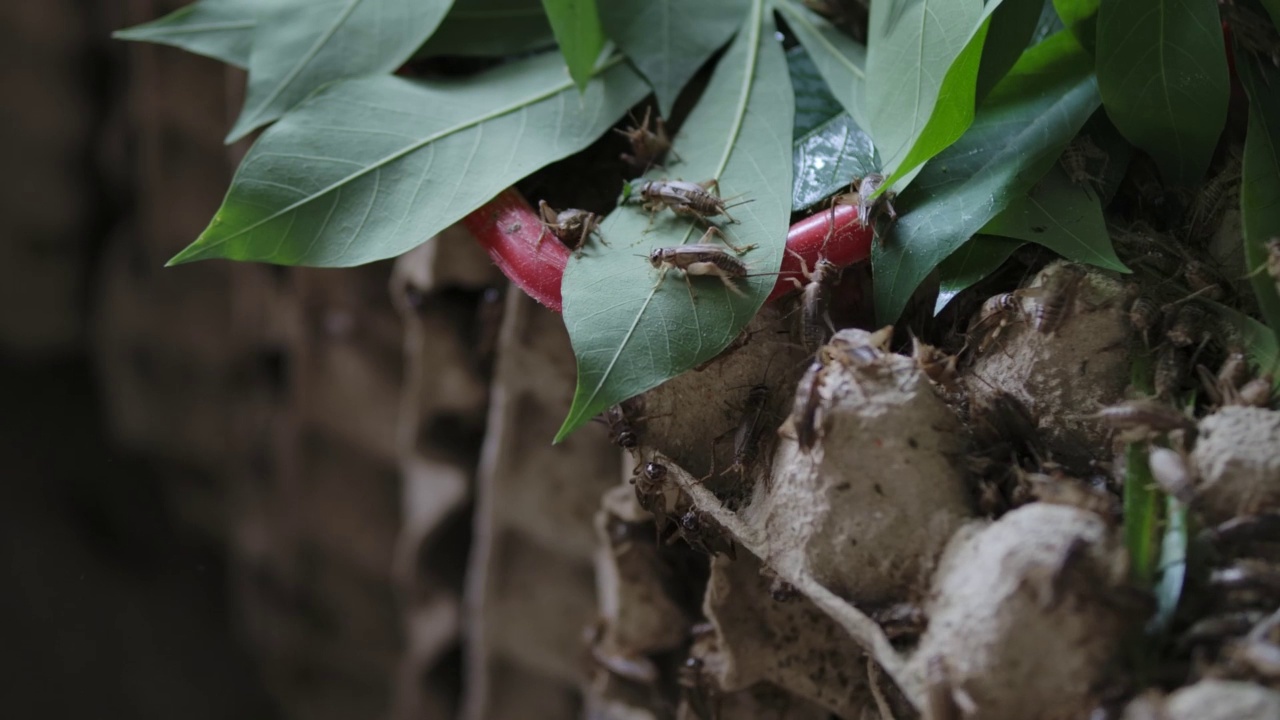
513 234
834 234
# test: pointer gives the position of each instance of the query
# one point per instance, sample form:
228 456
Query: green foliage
946 98
220 29
633 328
491 28
967 266
366 169
1162 71
1260 179
1081 18
1014 140
841 61
300 45
830 150
1013 27
576 25
668 40
911 47
1062 216
1173 564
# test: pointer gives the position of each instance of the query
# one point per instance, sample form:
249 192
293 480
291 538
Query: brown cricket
572 227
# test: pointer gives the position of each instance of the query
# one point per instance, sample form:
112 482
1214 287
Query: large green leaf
1081 18
968 265
1013 25
367 169
630 334
1062 216
220 29
828 159
815 104
1014 140
576 25
1260 178
1162 71
841 61
830 150
911 47
300 45
491 28
1260 341
668 40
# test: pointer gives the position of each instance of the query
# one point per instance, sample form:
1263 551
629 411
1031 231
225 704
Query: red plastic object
833 234
513 234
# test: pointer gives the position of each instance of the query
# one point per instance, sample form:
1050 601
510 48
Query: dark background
200 505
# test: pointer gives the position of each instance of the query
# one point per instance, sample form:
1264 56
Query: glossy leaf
841 61
220 29
815 105
953 109
1016 137
1013 24
911 47
634 327
367 169
1062 216
1260 179
491 28
299 45
1162 71
828 159
669 40
1081 18
576 25
1048 24
967 266
830 150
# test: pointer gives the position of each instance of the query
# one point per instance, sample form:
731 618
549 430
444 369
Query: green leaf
841 61
1049 23
1273 9
815 105
300 45
968 265
630 334
830 150
1081 18
1140 493
1173 565
828 159
1260 341
1162 71
491 28
1062 216
1013 25
1260 178
1016 137
669 40
577 29
912 46
220 29
367 169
